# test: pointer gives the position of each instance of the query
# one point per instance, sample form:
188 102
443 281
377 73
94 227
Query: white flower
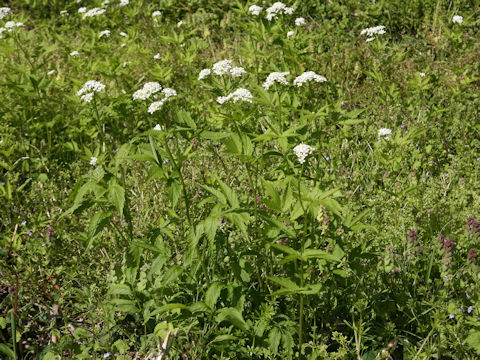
255 10
63 12
157 56
156 13
158 127
148 89
376 30
370 39
276 9
123 34
82 10
237 71
93 12
124 2
204 73
300 21
457 19
93 160
104 33
308 76
12 24
180 23
89 88
155 106
168 92
2 29
238 95
422 74
51 72
275 77
290 33
302 151
384 133
222 67
4 11
74 53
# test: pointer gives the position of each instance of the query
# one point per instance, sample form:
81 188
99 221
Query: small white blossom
63 12
302 151
222 67
384 133
157 56
104 33
290 33
277 9
82 10
255 10
180 23
51 72
124 2
238 95
93 160
376 30
204 73
300 21
148 89
275 77
237 71
156 13
168 92
89 88
457 19
12 24
422 74
74 53
123 34
4 11
308 76
155 106
158 127
93 12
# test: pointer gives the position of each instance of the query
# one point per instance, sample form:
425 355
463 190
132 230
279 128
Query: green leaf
121 346
274 337
284 282
473 340
117 196
232 316
7 351
96 225
213 293
222 338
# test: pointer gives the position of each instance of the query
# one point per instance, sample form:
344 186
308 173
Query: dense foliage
230 180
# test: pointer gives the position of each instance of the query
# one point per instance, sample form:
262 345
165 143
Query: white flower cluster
92 12
275 77
104 33
159 127
148 89
124 34
156 13
302 151
168 93
300 21
290 33
124 2
384 133
238 95
64 12
89 88
9 26
277 9
74 53
255 10
308 76
93 160
222 67
457 19
4 11
376 30
157 56
204 73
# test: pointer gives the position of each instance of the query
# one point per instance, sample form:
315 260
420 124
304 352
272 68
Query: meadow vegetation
240 180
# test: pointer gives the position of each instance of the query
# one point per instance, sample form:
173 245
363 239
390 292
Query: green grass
207 237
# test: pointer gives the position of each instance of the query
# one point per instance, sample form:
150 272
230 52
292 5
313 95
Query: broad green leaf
233 316
117 197
213 293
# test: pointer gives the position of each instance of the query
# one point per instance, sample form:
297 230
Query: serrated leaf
213 293
116 194
232 316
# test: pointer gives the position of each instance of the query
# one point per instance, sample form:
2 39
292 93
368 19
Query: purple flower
106 355
470 309
451 316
